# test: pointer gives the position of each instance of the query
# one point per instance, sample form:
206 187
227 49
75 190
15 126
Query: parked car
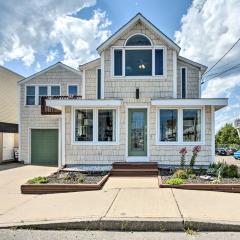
237 154
231 151
221 152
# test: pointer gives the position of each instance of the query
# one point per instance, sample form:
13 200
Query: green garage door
44 146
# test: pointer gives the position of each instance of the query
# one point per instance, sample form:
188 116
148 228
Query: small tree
183 153
195 152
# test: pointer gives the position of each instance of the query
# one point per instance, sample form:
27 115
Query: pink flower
183 151
196 149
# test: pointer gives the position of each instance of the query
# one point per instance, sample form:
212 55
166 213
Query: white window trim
72 84
180 127
153 48
141 34
186 80
37 92
95 127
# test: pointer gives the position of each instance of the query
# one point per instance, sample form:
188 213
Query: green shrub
38 180
222 169
181 173
175 181
233 171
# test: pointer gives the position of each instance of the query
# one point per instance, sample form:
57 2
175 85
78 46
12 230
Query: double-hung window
72 90
180 125
99 84
138 58
42 92
95 125
30 95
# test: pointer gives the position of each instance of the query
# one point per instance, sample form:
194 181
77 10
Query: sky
44 32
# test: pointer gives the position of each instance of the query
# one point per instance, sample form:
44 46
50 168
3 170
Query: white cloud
208 31
51 56
29 28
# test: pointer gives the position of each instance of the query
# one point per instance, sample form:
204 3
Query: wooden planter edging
61 188
233 188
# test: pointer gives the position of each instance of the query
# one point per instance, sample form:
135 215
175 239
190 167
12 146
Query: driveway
228 160
121 199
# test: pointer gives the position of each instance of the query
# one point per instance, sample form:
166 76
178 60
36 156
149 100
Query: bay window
182 125
95 125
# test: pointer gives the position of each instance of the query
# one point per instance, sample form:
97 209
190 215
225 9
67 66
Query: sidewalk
123 204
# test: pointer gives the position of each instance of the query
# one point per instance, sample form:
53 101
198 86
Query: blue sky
166 15
42 33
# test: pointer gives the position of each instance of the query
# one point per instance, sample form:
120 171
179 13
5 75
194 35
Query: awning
58 103
218 103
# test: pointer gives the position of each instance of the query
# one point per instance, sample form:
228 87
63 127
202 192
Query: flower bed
65 181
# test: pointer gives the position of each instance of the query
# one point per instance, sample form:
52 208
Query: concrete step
134 172
135 165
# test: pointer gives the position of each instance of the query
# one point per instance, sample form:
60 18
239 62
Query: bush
224 170
232 171
181 173
38 180
175 181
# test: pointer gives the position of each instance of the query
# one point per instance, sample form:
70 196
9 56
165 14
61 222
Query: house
139 102
9 109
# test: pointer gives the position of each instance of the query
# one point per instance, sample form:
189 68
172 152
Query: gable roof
198 65
10 71
91 64
136 18
48 69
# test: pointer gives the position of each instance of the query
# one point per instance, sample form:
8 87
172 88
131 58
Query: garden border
233 188
62 188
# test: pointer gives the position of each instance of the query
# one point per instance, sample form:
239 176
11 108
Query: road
228 160
6 234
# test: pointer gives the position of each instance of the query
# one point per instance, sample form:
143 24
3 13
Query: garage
44 147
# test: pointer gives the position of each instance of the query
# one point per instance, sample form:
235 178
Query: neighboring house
140 101
9 111
237 125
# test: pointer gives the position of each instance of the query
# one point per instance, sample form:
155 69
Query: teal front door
137 132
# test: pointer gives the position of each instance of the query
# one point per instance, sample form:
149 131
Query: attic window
138 40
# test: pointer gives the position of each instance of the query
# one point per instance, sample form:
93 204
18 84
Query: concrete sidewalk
123 204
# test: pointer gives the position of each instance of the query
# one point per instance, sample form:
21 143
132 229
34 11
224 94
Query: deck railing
47 110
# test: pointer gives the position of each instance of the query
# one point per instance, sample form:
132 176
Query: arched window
138 40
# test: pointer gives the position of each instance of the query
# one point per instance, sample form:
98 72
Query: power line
222 57
220 73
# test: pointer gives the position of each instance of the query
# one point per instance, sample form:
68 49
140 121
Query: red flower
183 151
196 149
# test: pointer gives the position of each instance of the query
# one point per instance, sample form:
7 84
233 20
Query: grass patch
38 180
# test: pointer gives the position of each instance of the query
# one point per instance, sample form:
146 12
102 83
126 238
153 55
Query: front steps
134 169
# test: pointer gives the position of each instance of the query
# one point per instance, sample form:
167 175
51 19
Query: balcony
47 110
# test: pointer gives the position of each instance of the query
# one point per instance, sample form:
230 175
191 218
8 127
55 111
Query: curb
131 224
